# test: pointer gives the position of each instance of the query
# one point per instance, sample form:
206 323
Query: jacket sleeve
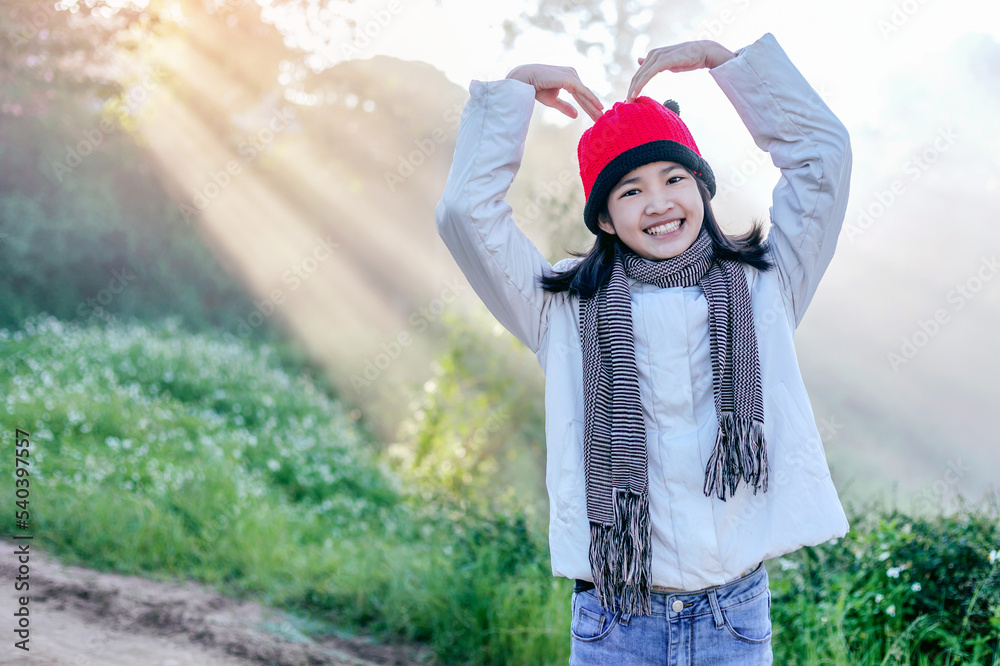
810 146
475 222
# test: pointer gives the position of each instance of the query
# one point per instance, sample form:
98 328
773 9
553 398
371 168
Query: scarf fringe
621 556
740 452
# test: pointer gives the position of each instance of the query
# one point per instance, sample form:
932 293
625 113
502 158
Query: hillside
170 456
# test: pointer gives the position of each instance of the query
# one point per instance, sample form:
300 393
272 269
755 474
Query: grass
163 453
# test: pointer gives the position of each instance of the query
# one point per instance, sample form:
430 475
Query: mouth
665 228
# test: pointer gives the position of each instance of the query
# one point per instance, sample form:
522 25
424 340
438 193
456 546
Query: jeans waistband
709 600
584 585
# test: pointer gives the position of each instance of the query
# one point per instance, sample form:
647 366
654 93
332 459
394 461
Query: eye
674 179
628 192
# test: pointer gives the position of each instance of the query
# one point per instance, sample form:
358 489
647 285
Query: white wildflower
916 587
994 556
879 598
883 556
787 564
891 610
893 572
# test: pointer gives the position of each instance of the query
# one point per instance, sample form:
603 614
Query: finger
631 95
587 100
633 88
646 71
576 88
585 97
589 107
643 73
564 107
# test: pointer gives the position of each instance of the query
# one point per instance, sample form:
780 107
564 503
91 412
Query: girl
682 450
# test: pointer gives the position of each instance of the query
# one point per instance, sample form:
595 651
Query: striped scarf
615 462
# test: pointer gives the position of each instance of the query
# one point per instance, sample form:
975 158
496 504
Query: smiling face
656 210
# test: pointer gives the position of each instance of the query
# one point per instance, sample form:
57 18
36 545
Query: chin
662 253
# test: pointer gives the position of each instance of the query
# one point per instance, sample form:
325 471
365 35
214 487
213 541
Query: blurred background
264 173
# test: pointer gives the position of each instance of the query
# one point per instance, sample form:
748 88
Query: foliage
58 56
87 229
896 589
478 421
212 459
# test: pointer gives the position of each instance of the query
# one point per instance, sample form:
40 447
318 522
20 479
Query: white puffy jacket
698 541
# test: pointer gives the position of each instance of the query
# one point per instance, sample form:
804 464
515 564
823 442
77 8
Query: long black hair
586 277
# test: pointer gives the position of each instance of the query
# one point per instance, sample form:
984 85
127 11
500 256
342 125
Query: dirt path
80 617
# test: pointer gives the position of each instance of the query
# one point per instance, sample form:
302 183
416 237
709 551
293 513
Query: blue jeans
725 624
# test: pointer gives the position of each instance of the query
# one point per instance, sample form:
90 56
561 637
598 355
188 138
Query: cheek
634 209
698 208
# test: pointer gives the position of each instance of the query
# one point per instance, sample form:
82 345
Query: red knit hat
627 136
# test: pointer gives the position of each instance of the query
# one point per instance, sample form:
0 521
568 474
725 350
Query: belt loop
713 601
624 619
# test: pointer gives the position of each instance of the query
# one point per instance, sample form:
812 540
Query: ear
605 223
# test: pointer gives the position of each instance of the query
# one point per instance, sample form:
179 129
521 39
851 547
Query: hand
682 57
548 80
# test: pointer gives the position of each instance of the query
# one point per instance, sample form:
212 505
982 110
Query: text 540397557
22 491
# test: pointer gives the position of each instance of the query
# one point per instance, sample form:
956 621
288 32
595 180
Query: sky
853 40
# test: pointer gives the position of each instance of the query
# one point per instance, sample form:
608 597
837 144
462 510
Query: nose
659 202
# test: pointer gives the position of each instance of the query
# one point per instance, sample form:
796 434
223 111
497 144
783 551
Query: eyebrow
635 179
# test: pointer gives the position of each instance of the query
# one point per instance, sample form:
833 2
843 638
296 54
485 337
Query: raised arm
475 222
811 147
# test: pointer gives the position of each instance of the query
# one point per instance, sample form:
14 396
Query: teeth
664 228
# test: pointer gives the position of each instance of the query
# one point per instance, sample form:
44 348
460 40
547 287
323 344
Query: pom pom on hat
627 136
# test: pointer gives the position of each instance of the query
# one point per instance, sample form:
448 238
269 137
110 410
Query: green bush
211 461
896 589
165 453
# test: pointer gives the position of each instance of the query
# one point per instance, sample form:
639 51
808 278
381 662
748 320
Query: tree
609 30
